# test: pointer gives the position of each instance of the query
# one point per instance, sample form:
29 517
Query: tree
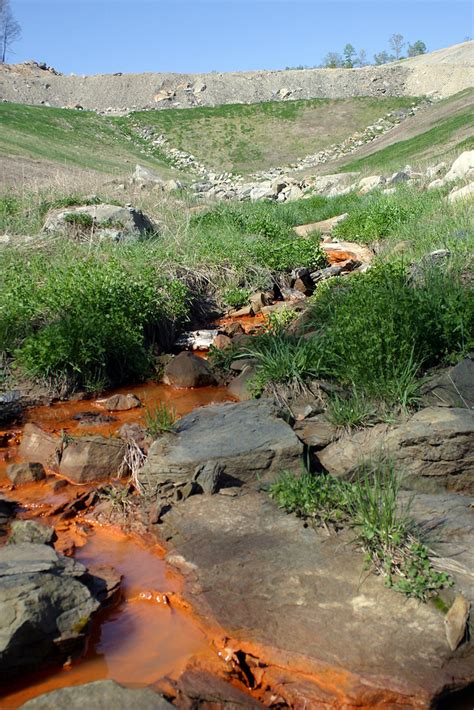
349 56
10 30
383 58
361 60
416 48
397 43
332 60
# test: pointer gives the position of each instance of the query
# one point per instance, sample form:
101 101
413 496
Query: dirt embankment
440 73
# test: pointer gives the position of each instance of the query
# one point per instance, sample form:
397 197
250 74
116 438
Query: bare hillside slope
440 73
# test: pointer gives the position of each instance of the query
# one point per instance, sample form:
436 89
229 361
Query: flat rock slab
100 695
248 439
301 600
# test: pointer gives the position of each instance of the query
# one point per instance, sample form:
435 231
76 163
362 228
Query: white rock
461 193
368 184
463 167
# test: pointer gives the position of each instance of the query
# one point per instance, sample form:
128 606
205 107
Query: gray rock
240 386
188 370
38 445
144 175
453 387
304 598
209 476
248 439
28 472
109 221
463 167
31 532
122 402
92 458
99 695
434 448
44 607
456 621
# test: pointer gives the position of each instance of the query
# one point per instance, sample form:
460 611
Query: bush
86 317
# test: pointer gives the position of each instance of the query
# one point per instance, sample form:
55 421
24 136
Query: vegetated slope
80 139
442 129
443 72
247 138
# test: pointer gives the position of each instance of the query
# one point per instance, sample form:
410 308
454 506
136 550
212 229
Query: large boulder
146 176
248 439
39 446
99 695
92 458
45 608
104 221
305 615
462 168
462 193
188 370
434 448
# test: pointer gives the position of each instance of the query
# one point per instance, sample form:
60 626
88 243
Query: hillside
440 73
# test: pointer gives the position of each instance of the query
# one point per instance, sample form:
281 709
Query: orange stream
138 641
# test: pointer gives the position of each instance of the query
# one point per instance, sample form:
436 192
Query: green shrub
86 316
159 419
236 297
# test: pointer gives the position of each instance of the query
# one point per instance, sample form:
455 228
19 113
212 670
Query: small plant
277 321
160 419
80 220
236 297
353 410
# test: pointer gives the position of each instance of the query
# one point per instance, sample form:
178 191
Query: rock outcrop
102 221
99 695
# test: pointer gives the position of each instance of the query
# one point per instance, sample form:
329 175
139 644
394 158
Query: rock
336 184
293 193
462 193
207 690
240 386
456 621
105 221
258 301
462 168
221 342
370 183
25 472
87 418
99 695
146 175
188 370
38 445
31 532
261 193
434 170
341 251
435 184
234 328
316 432
103 581
92 458
209 476
122 402
171 185
303 282
325 226
453 387
283 589
399 177
434 448
248 439
44 607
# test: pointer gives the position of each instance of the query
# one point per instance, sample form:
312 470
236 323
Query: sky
102 36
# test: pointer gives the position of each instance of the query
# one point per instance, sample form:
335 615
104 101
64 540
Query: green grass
159 419
436 143
244 138
70 137
371 507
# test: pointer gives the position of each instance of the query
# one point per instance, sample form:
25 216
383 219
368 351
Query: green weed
160 419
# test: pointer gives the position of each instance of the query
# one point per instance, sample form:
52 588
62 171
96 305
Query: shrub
236 297
87 316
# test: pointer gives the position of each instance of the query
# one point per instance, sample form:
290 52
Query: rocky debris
87 418
146 176
434 448
248 439
27 472
99 695
197 339
370 183
325 227
120 224
38 445
462 193
280 587
30 531
45 607
456 621
453 387
92 458
188 370
122 402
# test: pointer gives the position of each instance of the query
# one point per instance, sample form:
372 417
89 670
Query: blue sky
96 36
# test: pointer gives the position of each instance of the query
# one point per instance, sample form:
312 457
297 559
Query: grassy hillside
450 130
77 138
246 138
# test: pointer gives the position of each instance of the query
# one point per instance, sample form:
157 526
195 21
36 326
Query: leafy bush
236 297
86 316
